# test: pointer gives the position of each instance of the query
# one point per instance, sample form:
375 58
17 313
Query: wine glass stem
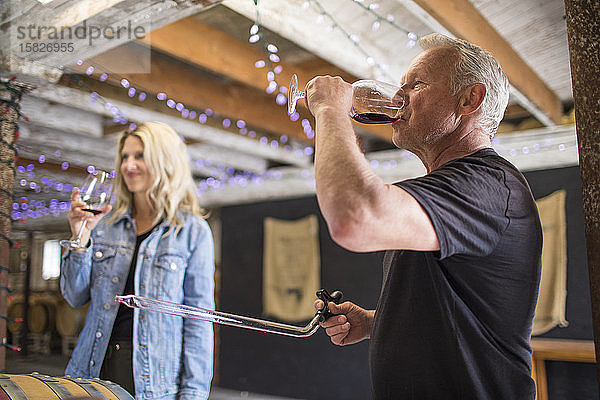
296 95
80 233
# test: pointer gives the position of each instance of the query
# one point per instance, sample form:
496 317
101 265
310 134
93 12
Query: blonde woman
155 243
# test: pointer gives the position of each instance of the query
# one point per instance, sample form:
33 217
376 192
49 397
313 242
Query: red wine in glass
373 118
92 210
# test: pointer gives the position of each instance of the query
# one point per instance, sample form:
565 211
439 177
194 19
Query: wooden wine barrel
69 320
42 387
16 309
41 315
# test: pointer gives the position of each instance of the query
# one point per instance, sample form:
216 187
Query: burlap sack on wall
550 309
291 268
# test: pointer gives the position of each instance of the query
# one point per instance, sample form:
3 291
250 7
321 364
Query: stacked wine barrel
40 321
48 316
42 314
16 309
42 387
69 322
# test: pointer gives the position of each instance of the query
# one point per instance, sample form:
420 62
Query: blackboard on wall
313 368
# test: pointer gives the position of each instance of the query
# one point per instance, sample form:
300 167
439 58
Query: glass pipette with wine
182 310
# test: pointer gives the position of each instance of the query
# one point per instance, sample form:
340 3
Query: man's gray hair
475 65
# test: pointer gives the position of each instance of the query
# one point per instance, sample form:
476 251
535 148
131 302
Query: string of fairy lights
355 39
222 176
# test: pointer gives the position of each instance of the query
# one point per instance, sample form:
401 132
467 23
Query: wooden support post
584 47
10 96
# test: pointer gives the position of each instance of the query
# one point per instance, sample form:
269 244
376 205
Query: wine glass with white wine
373 102
96 192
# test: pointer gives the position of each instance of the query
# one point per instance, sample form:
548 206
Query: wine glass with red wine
373 102
96 192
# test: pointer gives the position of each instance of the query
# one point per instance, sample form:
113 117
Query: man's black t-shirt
456 323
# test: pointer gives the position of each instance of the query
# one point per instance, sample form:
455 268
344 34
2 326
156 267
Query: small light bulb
281 99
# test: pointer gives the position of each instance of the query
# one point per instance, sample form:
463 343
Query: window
51 260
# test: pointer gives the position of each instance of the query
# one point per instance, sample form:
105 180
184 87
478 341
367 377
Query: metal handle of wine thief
335 297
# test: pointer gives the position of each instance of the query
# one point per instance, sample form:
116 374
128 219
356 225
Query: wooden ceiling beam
75 13
199 44
199 91
94 25
463 20
80 150
193 131
63 117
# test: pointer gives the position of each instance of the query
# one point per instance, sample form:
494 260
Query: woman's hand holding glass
88 209
77 217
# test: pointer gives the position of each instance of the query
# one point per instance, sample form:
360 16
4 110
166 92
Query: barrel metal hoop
87 386
13 390
116 389
53 383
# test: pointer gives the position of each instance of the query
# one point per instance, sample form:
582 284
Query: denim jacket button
92 363
173 266
98 254
128 225
106 307
115 279
98 335
121 251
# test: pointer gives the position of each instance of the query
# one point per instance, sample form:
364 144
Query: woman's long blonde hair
172 188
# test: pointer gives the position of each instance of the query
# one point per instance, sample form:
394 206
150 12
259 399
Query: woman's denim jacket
172 356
